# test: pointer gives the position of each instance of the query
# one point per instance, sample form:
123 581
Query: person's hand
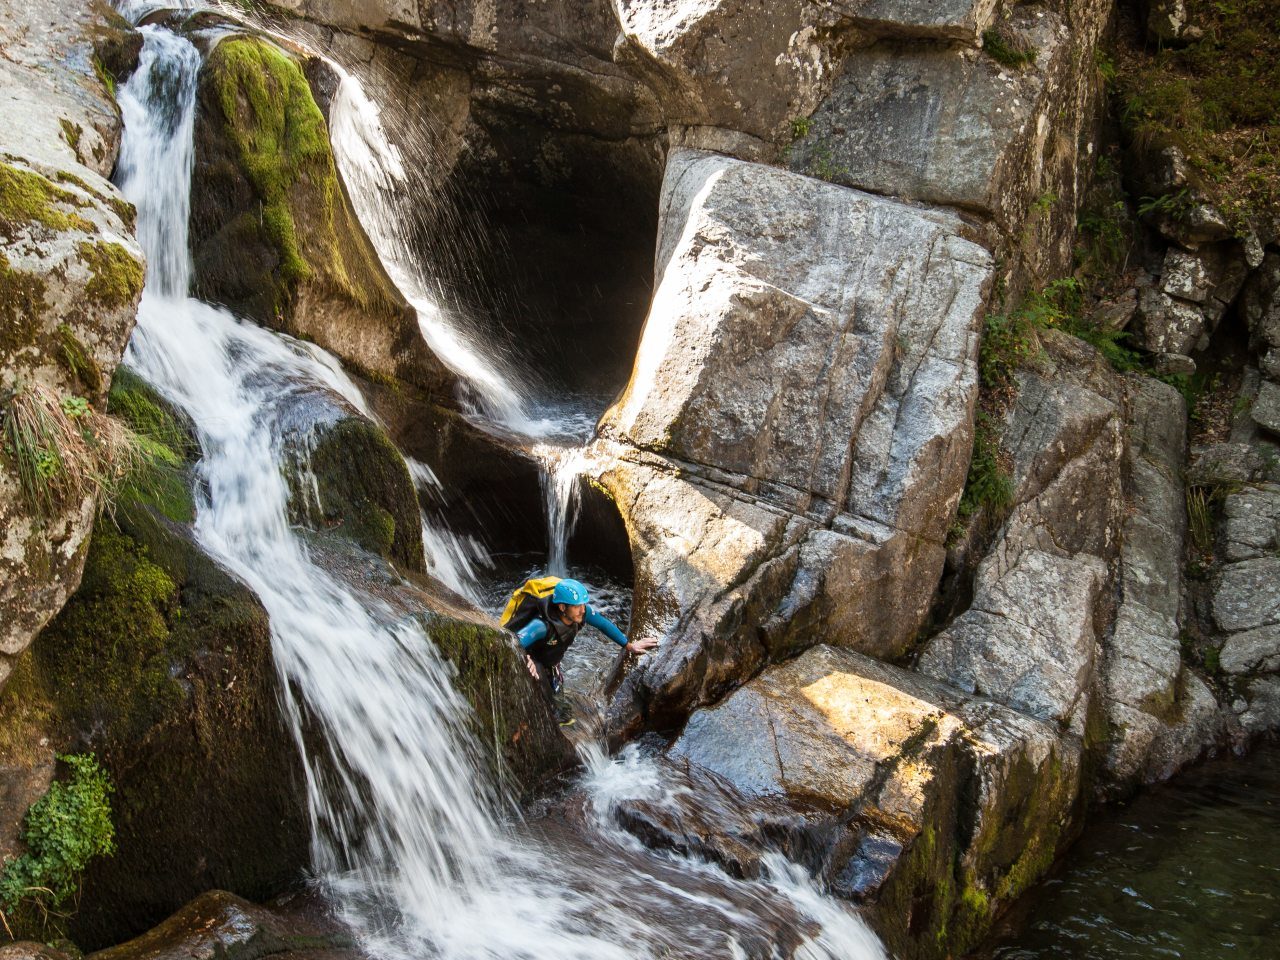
531 666
642 646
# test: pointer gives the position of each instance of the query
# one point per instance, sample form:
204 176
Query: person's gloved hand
642 646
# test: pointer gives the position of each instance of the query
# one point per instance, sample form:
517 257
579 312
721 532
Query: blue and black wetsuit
546 637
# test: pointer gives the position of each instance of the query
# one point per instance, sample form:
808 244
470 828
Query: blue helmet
569 592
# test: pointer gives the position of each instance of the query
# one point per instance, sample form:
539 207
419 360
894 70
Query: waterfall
413 846
561 471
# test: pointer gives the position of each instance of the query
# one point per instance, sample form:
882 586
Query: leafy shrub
63 831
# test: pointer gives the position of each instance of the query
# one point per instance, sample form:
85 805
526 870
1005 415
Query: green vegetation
262 125
21 302
72 132
104 76
27 197
1007 50
115 276
988 483
168 444
800 127
75 358
63 450
63 830
280 134
1218 99
125 210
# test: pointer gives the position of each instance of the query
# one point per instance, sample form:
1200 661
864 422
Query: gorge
900 367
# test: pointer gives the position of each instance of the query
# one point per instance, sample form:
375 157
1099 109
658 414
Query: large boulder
902 793
218 925
1029 636
790 450
996 132
273 234
161 664
70 278
1159 714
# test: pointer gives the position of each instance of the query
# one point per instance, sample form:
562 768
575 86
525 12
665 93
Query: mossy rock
272 231
161 664
518 737
366 493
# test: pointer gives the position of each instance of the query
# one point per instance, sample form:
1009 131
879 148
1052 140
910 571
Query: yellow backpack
523 605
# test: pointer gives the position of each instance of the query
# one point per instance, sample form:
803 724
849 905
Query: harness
550 650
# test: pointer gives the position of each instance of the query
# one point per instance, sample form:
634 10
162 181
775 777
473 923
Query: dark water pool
1189 870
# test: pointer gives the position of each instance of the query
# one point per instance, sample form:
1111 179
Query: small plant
988 483
63 831
800 127
63 450
1007 51
1203 504
1043 204
1177 205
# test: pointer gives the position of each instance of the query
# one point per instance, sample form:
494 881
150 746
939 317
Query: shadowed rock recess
950 494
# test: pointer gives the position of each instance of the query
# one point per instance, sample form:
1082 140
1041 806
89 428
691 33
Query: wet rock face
70 278
273 235
857 769
796 424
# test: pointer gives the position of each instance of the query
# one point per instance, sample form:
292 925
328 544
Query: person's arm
536 630
605 626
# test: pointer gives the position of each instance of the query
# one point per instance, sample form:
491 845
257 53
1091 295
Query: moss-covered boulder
273 233
70 279
220 924
517 733
161 665
347 479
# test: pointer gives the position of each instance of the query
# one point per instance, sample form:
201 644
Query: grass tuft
64 451
1007 50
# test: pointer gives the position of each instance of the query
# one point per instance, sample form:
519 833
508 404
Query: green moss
72 132
162 664
366 493
165 484
27 197
21 305
123 209
1007 50
280 134
76 359
116 277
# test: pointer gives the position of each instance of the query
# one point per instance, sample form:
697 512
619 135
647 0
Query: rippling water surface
1189 870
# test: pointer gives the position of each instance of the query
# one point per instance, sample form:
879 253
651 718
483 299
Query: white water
408 839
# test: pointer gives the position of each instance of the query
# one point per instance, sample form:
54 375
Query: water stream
416 851
1190 869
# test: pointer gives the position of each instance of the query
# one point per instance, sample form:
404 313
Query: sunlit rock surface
800 406
70 278
900 791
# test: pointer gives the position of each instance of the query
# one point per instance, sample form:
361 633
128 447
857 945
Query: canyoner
546 614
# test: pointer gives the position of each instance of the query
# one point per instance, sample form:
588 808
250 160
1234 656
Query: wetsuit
545 638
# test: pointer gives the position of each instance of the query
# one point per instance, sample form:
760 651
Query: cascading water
408 838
